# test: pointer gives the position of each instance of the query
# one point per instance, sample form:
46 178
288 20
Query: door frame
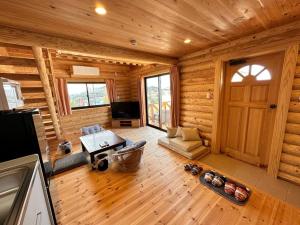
285 89
259 155
159 103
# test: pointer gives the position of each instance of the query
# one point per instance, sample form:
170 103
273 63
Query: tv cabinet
117 123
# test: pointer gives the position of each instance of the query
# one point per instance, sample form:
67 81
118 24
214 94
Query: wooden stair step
47 122
50 133
51 138
49 129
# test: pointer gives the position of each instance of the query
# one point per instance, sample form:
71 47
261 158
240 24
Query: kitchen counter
18 179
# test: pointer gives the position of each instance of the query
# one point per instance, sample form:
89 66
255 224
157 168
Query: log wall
289 168
72 124
144 71
197 79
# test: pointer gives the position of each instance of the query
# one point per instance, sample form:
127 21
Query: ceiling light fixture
100 10
187 41
133 42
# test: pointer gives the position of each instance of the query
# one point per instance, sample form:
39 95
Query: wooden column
285 90
38 54
216 125
52 80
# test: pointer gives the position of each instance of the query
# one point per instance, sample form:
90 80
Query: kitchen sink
11 183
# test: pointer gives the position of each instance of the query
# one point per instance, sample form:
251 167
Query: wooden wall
17 63
144 71
197 79
289 168
71 124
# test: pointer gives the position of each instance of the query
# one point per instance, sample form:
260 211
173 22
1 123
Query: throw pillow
171 132
190 134
178 133
91 129
127 149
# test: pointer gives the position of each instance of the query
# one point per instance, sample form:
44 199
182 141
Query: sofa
190 149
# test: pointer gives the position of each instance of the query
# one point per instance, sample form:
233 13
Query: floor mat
69 162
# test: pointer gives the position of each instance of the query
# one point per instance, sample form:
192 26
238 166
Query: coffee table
91 143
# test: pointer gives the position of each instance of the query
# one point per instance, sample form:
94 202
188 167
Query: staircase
17 63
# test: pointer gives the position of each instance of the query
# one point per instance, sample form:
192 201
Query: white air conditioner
85 71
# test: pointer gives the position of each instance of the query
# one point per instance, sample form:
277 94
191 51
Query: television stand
117 123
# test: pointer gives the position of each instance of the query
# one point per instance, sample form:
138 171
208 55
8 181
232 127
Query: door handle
273 106
38 219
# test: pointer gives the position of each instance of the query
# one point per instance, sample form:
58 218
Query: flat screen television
125 110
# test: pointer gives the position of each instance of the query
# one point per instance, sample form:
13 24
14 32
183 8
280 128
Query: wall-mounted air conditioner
85 71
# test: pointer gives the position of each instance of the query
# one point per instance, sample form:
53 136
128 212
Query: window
158 101
87 95
259 72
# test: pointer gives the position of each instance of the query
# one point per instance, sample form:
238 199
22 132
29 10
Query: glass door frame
159 102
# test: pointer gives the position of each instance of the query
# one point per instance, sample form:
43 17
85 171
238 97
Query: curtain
175 96
63 97
141 97
111 90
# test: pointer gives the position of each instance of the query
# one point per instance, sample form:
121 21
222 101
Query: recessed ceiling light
187 41
100 10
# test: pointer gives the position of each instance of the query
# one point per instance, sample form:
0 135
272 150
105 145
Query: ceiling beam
28 38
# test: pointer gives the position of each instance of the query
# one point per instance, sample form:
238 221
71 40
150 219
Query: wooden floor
161 192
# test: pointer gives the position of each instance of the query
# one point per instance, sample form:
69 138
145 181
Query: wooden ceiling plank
279 36
159 26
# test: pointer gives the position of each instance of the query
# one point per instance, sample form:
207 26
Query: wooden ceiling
158 26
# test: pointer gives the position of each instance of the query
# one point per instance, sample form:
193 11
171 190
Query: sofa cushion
91 129
139 144
178 132
190 134
184 145
171 132
133 146
196 153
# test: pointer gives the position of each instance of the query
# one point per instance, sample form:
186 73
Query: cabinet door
36 212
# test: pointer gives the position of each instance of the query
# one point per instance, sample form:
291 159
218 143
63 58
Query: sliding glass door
158 101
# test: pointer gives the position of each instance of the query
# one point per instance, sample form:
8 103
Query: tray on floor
220 190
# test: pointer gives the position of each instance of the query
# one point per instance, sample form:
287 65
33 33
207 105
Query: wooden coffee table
92 142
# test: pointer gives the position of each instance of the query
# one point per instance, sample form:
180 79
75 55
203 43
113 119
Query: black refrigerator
19 137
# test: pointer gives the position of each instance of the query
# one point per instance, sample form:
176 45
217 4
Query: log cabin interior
150 112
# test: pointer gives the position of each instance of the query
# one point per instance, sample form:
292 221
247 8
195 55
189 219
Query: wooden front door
251 91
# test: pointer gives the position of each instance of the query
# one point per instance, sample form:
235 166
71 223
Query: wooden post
216 126
285 90
38 55
52 81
